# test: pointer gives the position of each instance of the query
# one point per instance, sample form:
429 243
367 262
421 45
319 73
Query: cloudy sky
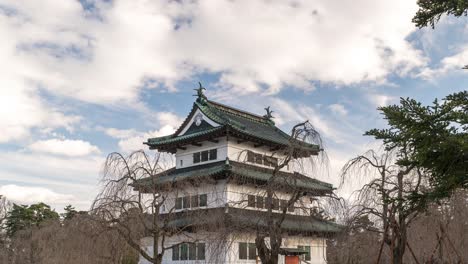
80 79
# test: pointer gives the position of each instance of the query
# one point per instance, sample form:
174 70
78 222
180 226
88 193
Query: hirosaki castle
224 157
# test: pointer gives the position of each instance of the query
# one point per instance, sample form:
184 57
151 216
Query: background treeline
438 235
36 234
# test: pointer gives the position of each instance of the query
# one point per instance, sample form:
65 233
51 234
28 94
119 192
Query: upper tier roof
236 171
230 121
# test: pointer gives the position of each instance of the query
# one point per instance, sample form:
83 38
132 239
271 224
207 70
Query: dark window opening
213 154
250 156
251 201
192 249
203 200
305 256
242 250
183 251
196 157
275 205
258 158
201 251
291 208
283 204
175 253
186 202
260 202
252 251
178 203
204 155
194 201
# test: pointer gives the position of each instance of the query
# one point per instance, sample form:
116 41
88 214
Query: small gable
194 128
197 122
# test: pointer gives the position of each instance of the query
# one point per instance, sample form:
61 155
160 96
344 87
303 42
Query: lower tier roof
233 220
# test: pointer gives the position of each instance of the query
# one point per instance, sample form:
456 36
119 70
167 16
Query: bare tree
387 197
268 227
75 241
134 204
437 235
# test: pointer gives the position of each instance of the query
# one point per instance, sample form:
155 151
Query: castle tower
225 158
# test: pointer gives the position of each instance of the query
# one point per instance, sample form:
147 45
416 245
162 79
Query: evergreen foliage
430 11
70 212
23 217
435 142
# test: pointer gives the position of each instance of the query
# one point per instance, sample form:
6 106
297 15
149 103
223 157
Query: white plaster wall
237 196
186 156
227 251
222 193
216 195
238 152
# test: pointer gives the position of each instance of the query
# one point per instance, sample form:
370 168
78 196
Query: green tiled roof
246 219
231 120
239 171
291 222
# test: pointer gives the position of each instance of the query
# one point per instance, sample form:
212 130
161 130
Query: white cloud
380 99
169 119
134 143
338 109
29 195
132 140
447 64
120 133
77 176
65 147
253 43
106 57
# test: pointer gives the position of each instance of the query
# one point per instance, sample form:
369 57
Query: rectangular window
196 157
273 162
242 250
275 205
305 256
283 204
186 202
194 201
192 249
251 201
181 163
201 251
178 203
260 202
175 253
252 251
183 251
291 208
204 155
250 156
270 161
258 158
203 200
213 154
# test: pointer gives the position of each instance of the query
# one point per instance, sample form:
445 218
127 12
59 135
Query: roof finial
268 114
200 92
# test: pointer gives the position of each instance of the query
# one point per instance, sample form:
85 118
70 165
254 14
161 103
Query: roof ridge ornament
200 94
268 115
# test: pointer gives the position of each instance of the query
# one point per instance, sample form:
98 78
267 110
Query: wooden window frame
213 154
204 156
196 157
203 200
